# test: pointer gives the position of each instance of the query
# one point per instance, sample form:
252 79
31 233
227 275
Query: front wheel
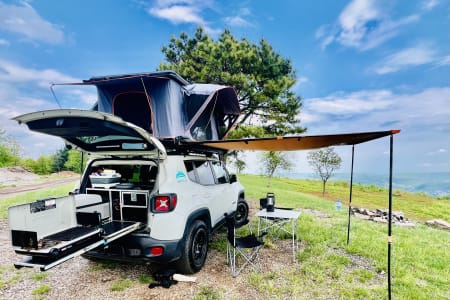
195 249
241 212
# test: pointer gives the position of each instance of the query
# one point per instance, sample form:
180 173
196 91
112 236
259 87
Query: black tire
241 212
195 249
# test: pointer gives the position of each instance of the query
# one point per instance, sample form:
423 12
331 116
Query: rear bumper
137 248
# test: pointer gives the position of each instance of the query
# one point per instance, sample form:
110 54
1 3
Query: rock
361 216
379 215
380 219
438 224
398 214
371 213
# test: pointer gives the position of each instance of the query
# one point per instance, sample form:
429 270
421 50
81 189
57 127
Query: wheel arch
200 214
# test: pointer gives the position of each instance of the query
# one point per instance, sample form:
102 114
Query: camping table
277 219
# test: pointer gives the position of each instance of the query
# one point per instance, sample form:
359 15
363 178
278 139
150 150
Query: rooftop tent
166 105
212 111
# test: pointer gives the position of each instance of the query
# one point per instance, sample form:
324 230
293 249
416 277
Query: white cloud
180 11
177 14
362 24
14 103
4 42
376 108
361 102
24 20
241 19
10 72
183 11
443 61
24 90
423 118
405 58
437 152
87 97
353 20
300 81
430 4
237 21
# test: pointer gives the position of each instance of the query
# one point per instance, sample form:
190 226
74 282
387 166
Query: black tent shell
168 106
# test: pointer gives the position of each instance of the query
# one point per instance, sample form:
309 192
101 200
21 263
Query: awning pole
390 216
81 164
351 192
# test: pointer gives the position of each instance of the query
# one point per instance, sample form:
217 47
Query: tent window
205 126
133 107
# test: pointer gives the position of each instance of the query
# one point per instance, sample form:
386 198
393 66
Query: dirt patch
15 180
14 176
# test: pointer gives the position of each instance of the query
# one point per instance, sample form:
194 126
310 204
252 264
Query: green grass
41 290
121 285
145 279
301 193
208 293
9 276
39 276
32 196
329 268
104 265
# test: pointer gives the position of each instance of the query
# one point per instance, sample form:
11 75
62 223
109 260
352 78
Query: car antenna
54 95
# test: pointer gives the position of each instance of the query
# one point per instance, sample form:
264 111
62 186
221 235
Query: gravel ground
80 278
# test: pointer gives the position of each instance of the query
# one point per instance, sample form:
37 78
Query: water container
338 205
270 202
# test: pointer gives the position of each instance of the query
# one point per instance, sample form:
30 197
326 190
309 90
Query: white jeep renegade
178 195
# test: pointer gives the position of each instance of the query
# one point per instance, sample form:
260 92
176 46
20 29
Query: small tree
273 160
61 157
9 150
74 161
324 162
240 165
44 165
233 158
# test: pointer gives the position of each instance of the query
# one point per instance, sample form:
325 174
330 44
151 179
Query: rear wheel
241 212
195 249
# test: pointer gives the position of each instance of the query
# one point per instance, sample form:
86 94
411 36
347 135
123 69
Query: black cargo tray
70 234
80 240
59 243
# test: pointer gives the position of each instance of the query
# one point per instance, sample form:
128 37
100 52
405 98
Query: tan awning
291 143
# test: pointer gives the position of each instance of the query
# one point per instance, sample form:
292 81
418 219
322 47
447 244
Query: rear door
94 132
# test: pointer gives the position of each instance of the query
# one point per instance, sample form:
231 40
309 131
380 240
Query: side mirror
233 178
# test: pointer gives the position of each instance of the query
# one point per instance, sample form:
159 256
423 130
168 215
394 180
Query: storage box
105 180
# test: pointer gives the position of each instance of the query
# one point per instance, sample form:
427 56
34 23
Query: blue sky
361 65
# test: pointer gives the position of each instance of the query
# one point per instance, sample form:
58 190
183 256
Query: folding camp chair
245 246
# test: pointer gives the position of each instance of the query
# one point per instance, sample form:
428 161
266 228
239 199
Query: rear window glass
200 171
204 172
190 171
220 172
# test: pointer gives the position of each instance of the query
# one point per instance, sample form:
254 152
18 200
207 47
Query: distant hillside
295 192
435 184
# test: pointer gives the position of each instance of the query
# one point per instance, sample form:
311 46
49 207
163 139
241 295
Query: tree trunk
323 188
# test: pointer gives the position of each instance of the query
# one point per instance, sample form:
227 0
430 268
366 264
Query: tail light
164 203
156 251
